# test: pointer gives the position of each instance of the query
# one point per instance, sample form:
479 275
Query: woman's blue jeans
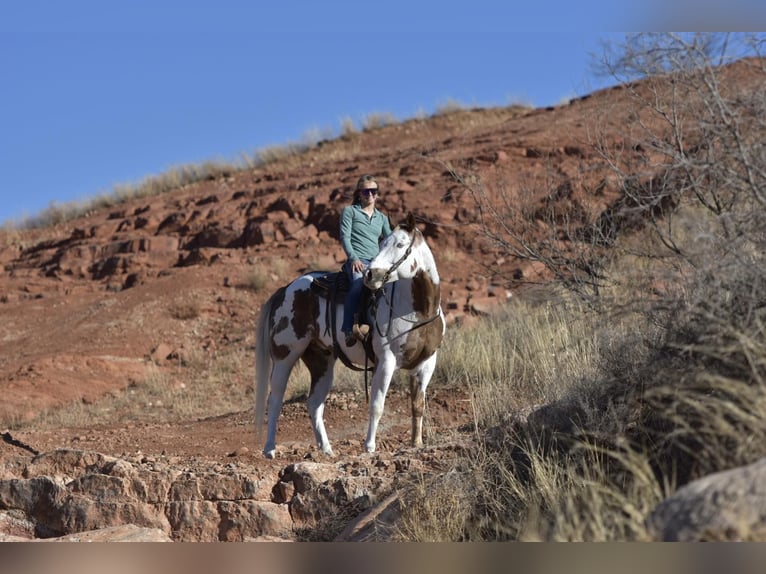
354 294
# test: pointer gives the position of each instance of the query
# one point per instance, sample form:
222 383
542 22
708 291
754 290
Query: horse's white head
402 255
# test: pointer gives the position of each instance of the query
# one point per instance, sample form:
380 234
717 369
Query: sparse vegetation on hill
180 176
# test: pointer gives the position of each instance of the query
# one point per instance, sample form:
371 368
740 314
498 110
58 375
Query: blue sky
96 93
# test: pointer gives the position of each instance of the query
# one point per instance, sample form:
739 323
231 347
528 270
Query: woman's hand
357 266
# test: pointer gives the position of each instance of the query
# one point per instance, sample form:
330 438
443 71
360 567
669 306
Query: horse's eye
400 245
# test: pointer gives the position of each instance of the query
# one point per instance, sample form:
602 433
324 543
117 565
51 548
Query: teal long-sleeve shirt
360 234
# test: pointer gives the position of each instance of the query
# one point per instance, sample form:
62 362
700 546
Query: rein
416 324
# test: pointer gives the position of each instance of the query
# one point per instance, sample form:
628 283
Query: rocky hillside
85 302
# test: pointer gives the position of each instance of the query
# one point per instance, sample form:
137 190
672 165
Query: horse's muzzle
375 278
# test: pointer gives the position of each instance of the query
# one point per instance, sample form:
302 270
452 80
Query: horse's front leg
381 380
418 383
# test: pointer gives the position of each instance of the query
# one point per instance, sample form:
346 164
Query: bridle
380 292
397 263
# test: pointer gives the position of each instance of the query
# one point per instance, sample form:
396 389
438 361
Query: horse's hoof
270 453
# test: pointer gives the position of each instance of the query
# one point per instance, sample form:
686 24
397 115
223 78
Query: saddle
333 286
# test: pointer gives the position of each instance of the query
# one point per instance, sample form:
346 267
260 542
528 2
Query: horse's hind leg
320 365
418 382
280 373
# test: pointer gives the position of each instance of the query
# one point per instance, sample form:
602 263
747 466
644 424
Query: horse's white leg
381 379
320 364
280 373
418 383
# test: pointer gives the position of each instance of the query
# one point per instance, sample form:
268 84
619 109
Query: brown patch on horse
277 300
417 239
318 361
280 326
279 351
423 341
425 295
305 313
421 344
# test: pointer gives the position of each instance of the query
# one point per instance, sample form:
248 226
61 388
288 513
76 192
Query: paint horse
406 328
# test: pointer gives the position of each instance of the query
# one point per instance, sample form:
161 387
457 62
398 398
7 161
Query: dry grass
435 508
348 128
277 154
174 178
256 279
636 405
448 107
518 485
377 120
280 268
555 498
585 494
12 236
525 355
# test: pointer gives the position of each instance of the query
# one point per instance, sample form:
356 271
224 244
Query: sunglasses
369 191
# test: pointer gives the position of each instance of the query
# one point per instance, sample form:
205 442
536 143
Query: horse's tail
262 362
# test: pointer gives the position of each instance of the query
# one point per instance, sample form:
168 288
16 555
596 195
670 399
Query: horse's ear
411 221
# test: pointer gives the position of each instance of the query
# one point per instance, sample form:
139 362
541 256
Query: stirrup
361 331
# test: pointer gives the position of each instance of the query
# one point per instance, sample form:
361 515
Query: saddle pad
331 284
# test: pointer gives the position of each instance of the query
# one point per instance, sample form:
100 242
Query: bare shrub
184 310
689 165
679 259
